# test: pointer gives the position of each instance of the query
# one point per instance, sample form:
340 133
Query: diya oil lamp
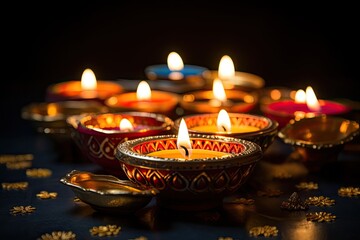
143 100
50 118
191 171
305 105
256 128
212 101
97 135
175 76
319 140
232 79
89 88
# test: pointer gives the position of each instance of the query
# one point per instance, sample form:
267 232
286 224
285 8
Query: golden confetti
245 201
8 158
266 231
269 193
108 230
349 191
320 217
320 201
139 238
59 235
307 186
22 210
38 172
15 186
18 165
46 195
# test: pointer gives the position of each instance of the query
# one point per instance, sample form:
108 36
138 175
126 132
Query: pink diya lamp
97 135
232 79
205 101
143 100
87 89
305 105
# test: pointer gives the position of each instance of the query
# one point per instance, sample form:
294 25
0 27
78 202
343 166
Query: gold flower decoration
15 186
58 235
22 210
307 186
320 217
320 201
349 191
108 230
46 195
38 172
266 231
7 158
18 165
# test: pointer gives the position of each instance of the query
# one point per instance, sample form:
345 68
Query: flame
218 90
226 68
88 80
223 121
311 100
125 125
183 140
143 91
52 109
174 61
300 96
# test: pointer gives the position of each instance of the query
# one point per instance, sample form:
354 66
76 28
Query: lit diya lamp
256 128
191 171
87 89
206 101
143 100
97 135
305 105
175 76
234 79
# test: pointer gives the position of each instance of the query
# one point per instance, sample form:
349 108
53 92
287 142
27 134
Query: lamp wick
224 128
186 150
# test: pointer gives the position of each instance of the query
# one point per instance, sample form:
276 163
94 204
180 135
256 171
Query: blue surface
162 71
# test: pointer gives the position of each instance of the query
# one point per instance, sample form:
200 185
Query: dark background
287 46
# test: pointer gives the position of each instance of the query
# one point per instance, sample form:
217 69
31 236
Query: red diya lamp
256 128
143 100
205 101
97 135
305 105
232 79
87 89
191 171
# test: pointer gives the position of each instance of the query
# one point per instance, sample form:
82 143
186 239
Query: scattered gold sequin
282 175
76 199
266 231
320 217
15 186
139 238
108 230
349 191
225 238
22 210
59 235
307 186
269 193
18 165
46 195
7 158
320 201
38 172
